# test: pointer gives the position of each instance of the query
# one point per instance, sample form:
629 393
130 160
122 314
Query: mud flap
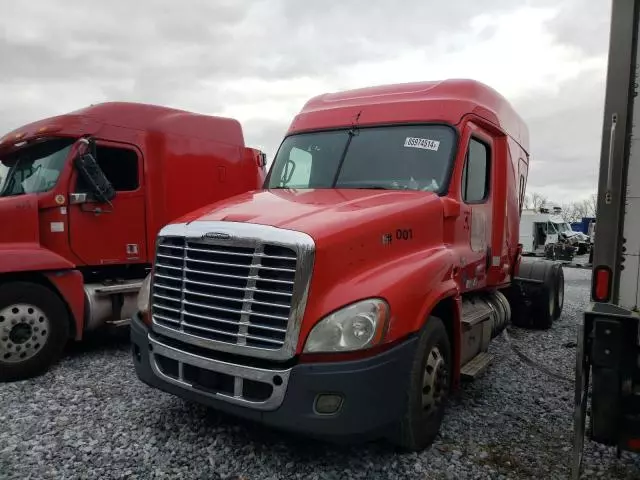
611 348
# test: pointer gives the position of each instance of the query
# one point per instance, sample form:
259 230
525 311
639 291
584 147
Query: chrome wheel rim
434 381
24 330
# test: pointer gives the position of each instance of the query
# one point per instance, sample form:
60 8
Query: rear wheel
544 305
559 290
544 308
541 286
34 328
429 387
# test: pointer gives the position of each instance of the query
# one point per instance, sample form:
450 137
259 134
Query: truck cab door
109 232
477 210
527 232
552 235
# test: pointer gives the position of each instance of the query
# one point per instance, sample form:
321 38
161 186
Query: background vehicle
547 234
537 231
580 241
82 199
350 296
607 368
586 225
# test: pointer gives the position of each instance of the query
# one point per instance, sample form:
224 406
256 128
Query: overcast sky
260 60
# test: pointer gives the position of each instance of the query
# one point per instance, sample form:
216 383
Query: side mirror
91 173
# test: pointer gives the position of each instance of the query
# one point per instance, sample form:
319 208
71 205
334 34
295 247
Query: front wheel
34 328
429 386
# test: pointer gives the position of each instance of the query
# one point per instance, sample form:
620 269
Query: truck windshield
404 157
562 227
33 168
552 227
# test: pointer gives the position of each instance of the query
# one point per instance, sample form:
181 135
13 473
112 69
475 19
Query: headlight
355 327
143 295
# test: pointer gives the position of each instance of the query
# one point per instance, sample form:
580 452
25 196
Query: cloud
566 138
565 120
583 24
260 60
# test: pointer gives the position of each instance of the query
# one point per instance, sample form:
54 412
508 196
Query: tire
542 293
417 428
544 305
558 274
34 329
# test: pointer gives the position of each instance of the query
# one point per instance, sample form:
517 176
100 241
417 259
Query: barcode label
424 143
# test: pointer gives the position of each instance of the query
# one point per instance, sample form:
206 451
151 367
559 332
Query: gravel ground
90 417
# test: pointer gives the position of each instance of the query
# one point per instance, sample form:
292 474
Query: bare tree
571 211
534 200
592 203
585 208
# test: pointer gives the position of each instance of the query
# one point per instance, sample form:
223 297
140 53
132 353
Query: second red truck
82 198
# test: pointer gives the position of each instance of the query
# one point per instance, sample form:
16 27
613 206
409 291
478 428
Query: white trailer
608 344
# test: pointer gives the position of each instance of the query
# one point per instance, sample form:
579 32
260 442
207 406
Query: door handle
77 198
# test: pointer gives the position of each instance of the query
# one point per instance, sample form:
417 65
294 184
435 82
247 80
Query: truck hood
19 220
575 237
365 240
324 213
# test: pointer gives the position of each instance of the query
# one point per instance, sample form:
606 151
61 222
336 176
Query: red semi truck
348 298
82 198
608 347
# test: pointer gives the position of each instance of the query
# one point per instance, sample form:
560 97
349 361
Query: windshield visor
402 157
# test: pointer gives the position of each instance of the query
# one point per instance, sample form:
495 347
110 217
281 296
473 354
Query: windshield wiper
368 187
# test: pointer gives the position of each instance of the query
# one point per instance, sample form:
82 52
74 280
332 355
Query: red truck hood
319 213
19 220
364 239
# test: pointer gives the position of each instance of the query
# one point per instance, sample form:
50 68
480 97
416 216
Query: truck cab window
4 171
34 168
120 166
475 176
522 188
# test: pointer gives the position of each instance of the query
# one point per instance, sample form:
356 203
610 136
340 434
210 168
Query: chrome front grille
234 293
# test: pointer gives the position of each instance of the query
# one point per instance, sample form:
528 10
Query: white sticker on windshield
424 143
